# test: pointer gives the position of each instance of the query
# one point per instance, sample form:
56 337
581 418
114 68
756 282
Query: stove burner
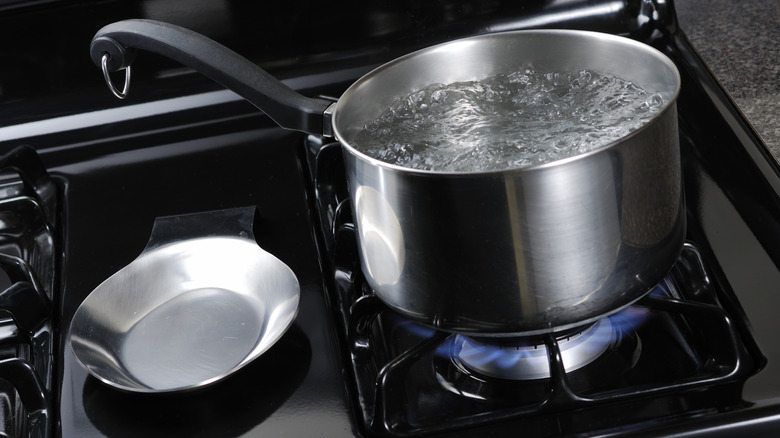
517 370
526 358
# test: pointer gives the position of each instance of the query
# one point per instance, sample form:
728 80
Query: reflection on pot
380 236
566 234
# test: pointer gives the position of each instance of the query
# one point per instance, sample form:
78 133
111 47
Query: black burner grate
28 213
687 356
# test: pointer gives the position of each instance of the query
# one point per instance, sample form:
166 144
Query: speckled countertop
740 42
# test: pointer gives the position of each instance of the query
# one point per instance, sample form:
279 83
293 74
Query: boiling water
507 121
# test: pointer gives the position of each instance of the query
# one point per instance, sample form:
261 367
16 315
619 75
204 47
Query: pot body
521 251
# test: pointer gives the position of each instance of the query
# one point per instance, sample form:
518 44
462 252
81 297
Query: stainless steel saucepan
499 253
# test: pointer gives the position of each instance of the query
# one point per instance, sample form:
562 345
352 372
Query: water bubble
507 121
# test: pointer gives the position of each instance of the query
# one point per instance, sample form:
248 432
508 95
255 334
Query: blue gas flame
502 355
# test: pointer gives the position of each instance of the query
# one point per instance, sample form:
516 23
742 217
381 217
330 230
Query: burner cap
526 359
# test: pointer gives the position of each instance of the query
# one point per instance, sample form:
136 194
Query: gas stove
695 356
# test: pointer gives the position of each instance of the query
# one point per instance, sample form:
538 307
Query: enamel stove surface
698 355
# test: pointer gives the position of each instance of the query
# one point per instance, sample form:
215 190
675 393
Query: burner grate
398 388
28 215
391 380
689 355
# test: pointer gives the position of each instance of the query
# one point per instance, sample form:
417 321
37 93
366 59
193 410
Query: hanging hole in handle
125 89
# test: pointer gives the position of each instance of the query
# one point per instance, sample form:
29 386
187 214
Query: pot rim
650 50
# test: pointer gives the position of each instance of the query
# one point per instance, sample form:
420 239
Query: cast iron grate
691 357
28 214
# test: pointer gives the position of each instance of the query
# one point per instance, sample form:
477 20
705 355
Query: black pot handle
289 109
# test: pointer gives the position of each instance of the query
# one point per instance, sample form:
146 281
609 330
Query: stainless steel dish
185 313
511 252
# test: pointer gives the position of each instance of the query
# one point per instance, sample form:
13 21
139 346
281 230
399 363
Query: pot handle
117 42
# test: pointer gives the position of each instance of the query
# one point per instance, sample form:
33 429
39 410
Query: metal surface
115 91
185 315
520 251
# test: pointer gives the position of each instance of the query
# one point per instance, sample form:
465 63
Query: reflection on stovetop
678 350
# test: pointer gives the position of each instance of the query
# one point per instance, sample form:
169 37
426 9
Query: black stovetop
119 165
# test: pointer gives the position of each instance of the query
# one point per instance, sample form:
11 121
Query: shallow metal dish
185 314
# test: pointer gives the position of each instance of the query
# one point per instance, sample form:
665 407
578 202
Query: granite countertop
740 42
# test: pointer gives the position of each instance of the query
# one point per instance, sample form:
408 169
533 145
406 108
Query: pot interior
477 58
